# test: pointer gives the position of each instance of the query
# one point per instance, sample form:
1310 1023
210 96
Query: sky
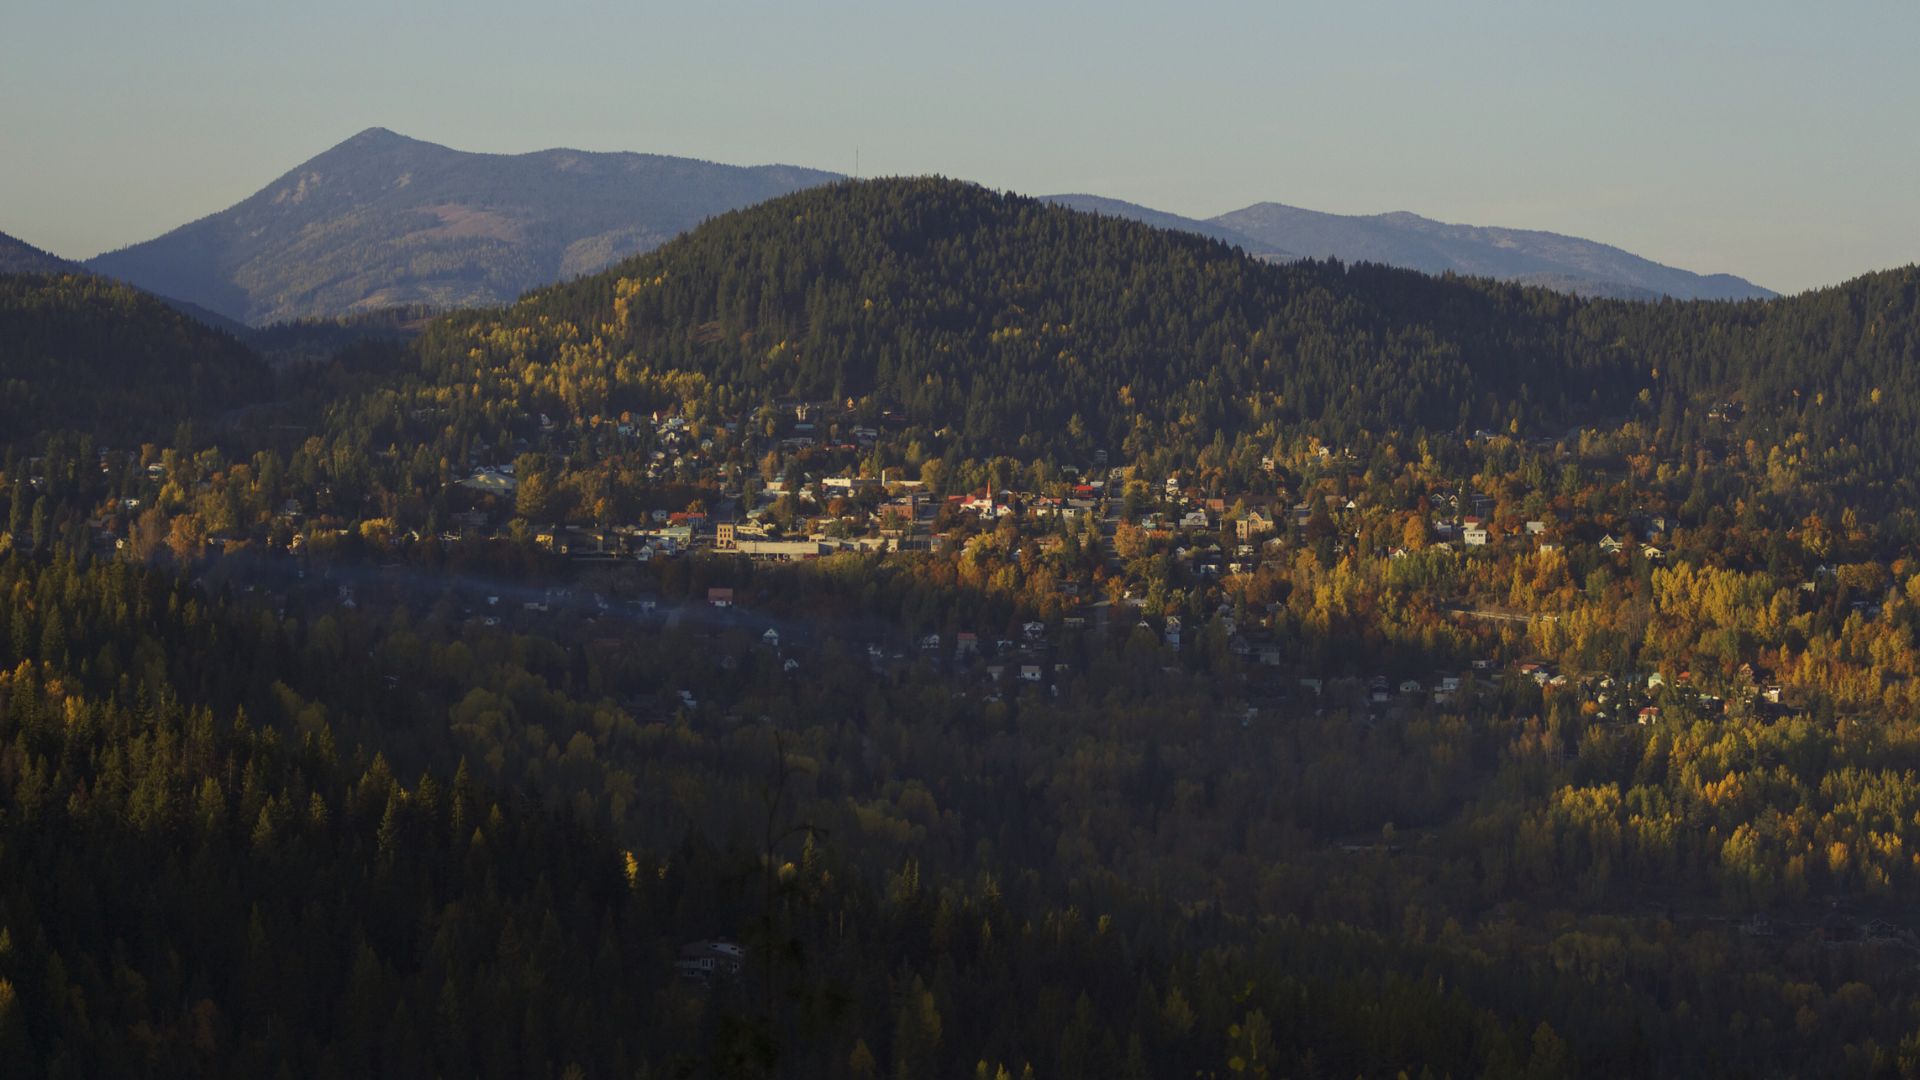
1771 140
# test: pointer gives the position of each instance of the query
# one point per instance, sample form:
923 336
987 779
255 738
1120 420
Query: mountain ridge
1161 219
1529 256
383 219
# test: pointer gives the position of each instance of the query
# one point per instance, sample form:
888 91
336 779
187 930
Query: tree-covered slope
81 353
1004 318
382 220
19 257
1027 328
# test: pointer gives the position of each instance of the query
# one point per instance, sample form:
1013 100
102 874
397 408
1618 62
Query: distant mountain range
1160 219
382 220
1566 263
1408 240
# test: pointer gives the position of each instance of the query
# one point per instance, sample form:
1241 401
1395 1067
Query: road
1500 616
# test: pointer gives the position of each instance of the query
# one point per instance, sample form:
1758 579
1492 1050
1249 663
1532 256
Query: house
1610 545
1536 528
1252 527
778 550
704 961
966 643
720 596
1474 536
1410 686
1034 631
1030 673
724 536
771 637
1649 714
1195 519
849 483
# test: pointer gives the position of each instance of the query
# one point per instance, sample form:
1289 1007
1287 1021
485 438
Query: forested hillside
1041 644
82 353
20 257
1030 330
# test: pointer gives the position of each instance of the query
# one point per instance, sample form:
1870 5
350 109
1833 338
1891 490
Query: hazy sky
1772 140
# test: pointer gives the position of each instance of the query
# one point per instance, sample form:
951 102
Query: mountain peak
376 141
375 135
385 220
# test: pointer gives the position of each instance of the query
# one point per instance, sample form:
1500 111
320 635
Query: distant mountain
382 220
1566 263
1160 219
19 257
